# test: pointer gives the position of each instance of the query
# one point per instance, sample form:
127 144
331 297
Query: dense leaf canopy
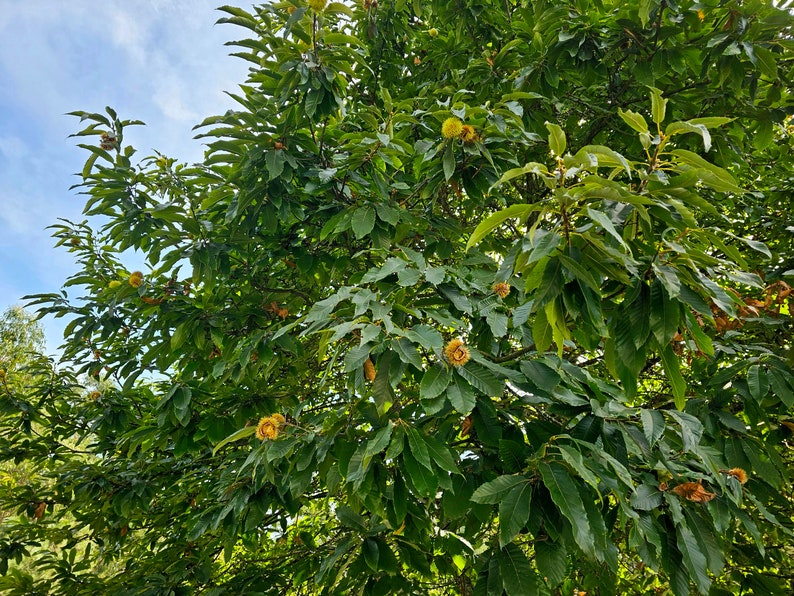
466 298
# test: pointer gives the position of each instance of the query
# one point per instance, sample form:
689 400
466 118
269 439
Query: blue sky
160 61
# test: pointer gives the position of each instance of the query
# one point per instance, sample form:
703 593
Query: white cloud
160 61
129 33
12 147
16 216
169 97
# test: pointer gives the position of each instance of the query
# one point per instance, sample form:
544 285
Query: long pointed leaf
495 219
496 489
518 579
565 494
514 512
235 436
694 560
673 372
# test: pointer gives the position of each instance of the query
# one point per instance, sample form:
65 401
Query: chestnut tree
465 298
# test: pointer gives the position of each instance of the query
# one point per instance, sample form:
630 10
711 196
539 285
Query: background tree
30 534
20 338
465 298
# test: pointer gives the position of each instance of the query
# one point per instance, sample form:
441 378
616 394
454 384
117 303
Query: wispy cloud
16 217
160 61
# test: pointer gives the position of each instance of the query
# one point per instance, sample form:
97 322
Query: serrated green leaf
694 559
235 436
646 498
379 442
350 518
711 121
603 220
274 161
514 512
574 459
672 370
756 246
181 334
634 120
407 352
551 559
557 142
495 219
550 284
658 105
448 162
584 276
424 480
513 454
313 99
711 175
675 128
390 266
336 38
481 378
543 244
767 62
605 157
542 332
565 494
435 275
356 356
605 551
381 387
397 443
440 454
89 165
339 7
408 277
691 429
621 472
371 553
781 387
665 314
495 490
497 321
652 425
757 382
425 336
434 381
702 340
707 540
518 578
461 396
541 374
532 167
363 221
418 447
644 12
670 279
493 580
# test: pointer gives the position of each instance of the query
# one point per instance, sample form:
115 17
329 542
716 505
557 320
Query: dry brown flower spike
737 473
693 491
369 370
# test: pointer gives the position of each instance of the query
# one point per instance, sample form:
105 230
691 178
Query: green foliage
335 260
20 338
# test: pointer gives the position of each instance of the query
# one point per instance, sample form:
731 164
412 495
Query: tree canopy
465 298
